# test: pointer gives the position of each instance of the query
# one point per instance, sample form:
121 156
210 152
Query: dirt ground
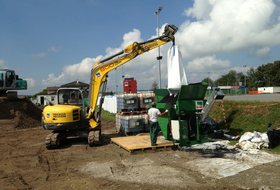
27 164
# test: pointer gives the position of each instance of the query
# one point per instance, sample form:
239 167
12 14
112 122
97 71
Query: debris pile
22 112
253 140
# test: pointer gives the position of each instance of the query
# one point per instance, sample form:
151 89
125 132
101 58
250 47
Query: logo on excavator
59 115
110 65
98 75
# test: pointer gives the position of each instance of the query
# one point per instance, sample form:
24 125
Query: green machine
187 111
9 81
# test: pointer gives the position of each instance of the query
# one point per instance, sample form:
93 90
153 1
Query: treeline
263 76
44 92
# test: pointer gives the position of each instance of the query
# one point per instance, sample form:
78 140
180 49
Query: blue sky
50 43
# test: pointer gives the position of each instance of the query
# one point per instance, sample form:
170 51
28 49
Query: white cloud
200 10
130 37
82 68
263 52
44 54
241 69
30 82
226 26
53 49
52 80
206 64
2 64
80 71
39 55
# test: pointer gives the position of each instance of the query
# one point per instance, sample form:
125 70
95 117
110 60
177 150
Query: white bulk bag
176 72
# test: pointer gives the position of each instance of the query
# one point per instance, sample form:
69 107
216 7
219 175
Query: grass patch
247 116
107 115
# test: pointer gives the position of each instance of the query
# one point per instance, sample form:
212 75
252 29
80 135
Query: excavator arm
102 68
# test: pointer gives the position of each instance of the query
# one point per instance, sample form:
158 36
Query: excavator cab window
70 96
63 96
10 76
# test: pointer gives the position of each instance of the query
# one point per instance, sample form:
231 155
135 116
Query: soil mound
22 112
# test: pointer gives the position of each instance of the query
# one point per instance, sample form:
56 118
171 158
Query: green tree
251 79
209 81
240 77
228 79
154 86
44 92
265 75
268 75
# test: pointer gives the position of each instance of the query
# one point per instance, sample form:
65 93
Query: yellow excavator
73 115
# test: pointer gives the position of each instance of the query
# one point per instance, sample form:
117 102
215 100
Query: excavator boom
102 68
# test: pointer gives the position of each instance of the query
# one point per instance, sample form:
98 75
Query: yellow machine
80 118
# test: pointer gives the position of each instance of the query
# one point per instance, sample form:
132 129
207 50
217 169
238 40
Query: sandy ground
25 163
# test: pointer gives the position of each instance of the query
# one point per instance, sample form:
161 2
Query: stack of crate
145 99
131 116
127 102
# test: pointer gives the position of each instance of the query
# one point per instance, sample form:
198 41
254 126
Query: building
76 84
130 85
52 90
46 99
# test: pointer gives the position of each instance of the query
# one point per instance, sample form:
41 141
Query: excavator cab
70 96
7 78
10 81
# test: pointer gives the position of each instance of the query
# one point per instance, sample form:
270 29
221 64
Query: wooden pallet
140 142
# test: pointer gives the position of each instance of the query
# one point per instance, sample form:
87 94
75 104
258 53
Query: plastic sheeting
253 140
176 72
109 104
222 160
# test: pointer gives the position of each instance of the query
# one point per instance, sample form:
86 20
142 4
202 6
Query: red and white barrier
224 113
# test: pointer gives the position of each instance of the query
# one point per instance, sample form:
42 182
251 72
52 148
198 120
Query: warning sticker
130 101
198 105
148 100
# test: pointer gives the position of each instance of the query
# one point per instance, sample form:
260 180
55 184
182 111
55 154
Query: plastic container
146 123
131 124
127 102
118 123
145 99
